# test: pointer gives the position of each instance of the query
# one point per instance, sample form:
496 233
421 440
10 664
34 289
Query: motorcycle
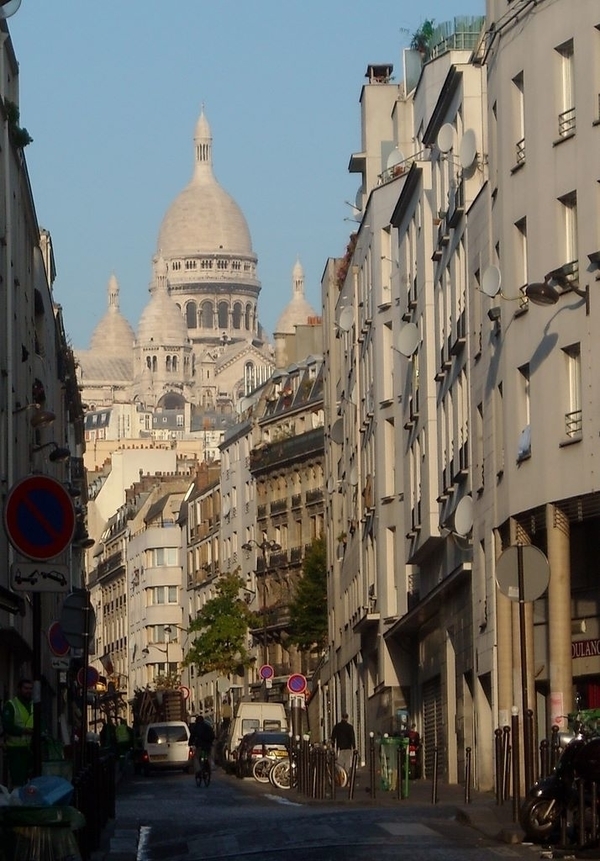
557 796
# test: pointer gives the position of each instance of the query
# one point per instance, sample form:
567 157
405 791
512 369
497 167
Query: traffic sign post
57 641
40 576
39 517
296 683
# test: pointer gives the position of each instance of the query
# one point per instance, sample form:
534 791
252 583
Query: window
523 408
521 252
207 315
223 314
163 595
569 227
165 556
519 119
191 316
573 414
566 91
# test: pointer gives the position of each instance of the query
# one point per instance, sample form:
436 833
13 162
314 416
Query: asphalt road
234 819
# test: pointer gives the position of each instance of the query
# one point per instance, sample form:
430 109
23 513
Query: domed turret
113 336
161 320
203 217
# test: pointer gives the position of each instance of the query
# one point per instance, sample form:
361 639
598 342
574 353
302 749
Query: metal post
528 747
434 782
524 673
507 760
372 764
499 765
594 824
516 766
468 776
352 775
544 758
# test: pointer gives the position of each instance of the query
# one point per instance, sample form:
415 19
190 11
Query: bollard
352 775
507 758
528 755
581 817
468 776
544 758
499 765
372 773
406 770
554 746
399 771
434 781
516 767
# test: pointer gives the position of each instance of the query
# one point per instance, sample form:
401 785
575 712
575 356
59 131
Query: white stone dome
112 336
299 310
161 321
203 217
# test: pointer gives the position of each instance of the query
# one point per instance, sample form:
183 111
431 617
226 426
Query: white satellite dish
408 339
445 138
9 7
463 516
491 281
468 149
226 508
395 157
353 477
330 484
345 319
358 200
337 431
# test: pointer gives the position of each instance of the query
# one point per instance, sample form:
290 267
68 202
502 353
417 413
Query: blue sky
111 91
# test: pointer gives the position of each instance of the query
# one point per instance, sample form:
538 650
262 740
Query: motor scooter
557 796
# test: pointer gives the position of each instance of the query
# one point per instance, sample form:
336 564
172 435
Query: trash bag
46 791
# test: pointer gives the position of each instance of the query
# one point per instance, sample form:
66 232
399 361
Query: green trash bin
40 833
389 758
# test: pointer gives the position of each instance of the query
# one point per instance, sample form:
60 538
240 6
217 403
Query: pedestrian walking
344 741
17 721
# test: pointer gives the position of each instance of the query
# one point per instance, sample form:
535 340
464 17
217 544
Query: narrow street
234 819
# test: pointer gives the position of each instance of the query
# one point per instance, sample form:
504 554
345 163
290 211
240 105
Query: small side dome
113 336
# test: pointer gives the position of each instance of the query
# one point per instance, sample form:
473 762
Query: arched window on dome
248 318
191 315
223 315
154 363
207 315
174 363
249 377
149 362
168 364
237 315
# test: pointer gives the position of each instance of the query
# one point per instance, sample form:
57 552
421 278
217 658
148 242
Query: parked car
256 744
250 716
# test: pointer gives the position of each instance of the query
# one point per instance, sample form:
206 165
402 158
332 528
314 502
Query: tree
421 39
222 626
308 609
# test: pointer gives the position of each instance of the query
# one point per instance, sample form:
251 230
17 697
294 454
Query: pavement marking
281 800
408 829
143 843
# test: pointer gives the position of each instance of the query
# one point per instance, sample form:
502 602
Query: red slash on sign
39 517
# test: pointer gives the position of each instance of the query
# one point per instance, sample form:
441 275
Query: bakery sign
585 649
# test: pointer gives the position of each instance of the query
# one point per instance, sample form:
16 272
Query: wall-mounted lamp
545 293
40 418
81 538
494 314
57 455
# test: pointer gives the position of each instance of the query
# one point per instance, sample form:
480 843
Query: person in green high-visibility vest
17 722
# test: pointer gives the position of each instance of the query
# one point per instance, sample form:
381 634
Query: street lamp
265 546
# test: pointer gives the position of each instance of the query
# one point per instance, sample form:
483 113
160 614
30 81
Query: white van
166 745
266 717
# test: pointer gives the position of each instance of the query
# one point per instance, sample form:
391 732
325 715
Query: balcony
567 121
111 566
287 451
315 495
297 500
574 424
279 506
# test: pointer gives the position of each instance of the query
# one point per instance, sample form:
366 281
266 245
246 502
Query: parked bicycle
284 774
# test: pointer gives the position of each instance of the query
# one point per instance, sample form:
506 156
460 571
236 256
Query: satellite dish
463 516
468 149
358 200
346 318
445 138
330 484
408 339
337 431
226 508
9 7
491 281
395 157
353 477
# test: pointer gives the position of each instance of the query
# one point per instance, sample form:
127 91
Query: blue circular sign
296 683
39 517
266 672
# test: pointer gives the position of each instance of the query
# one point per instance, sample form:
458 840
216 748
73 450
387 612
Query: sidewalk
481 813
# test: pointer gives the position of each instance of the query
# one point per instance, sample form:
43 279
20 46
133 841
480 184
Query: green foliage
19 136
222 626
308 609
421 38
167 682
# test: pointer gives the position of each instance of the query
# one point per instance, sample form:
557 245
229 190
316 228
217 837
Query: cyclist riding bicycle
201 738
